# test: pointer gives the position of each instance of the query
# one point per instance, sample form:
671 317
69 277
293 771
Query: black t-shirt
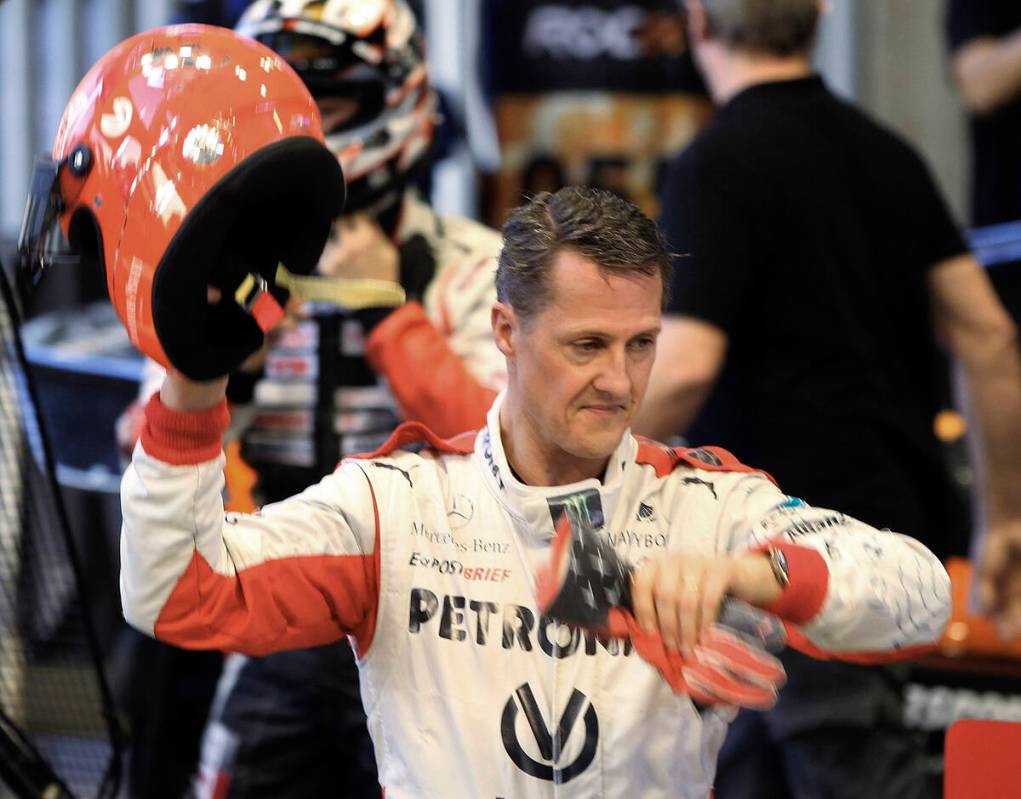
996 137
805 231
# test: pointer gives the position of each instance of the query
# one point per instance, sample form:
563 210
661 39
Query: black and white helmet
363 61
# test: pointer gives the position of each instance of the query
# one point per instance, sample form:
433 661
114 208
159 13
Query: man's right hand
178 393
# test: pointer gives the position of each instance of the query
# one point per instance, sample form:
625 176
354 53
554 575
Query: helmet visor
333 72
41 243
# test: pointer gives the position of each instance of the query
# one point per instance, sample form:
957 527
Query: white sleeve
297 573
883 591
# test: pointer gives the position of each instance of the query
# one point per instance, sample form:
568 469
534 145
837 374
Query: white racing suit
427 562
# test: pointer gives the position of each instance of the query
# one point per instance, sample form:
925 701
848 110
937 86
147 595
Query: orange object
188 156
949 425
439 387
969 633
240 481
981 760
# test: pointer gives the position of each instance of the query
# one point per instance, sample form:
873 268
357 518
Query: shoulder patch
665 459
417 433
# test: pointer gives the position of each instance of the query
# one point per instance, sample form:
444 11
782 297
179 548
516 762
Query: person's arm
438 356
442 371
297 573
689 356
988 71
430 381
984 339
853 592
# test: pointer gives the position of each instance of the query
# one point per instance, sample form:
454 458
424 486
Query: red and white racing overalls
427 560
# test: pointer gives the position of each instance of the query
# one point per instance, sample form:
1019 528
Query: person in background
985 43
816 262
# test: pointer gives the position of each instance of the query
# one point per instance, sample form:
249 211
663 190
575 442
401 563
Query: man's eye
587 346
642 343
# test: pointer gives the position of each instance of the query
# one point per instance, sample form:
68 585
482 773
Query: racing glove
585 583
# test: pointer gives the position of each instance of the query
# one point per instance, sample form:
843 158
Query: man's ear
698 24
505 324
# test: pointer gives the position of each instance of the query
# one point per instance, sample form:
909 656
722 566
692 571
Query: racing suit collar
532 506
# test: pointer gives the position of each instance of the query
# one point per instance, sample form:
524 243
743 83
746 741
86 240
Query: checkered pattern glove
587 584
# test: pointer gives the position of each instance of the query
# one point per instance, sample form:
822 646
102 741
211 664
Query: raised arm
298 573
429 378
436 351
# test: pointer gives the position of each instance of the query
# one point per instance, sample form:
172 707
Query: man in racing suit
427 560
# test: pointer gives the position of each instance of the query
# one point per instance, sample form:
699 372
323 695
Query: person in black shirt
816 255
985 39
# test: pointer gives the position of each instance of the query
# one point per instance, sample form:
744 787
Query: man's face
336 112
580 366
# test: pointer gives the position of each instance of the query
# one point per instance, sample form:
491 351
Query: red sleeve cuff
183 437
804 595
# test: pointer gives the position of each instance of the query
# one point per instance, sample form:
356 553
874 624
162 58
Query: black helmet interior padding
277 205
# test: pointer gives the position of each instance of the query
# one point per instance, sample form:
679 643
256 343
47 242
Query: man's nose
613 378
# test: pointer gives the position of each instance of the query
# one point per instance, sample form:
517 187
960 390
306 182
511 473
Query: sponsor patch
483 574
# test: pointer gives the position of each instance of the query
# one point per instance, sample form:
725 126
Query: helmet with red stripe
363 62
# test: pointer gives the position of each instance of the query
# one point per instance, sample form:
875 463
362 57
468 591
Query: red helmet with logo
188 156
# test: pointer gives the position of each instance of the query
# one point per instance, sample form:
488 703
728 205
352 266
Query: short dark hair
599 224
770 27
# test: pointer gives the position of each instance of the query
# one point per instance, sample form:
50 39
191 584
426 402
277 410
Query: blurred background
890 57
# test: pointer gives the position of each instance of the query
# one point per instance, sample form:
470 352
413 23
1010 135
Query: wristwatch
778 563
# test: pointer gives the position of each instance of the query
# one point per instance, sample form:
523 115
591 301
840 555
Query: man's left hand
679 594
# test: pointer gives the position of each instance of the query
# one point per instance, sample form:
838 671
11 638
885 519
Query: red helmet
188 156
